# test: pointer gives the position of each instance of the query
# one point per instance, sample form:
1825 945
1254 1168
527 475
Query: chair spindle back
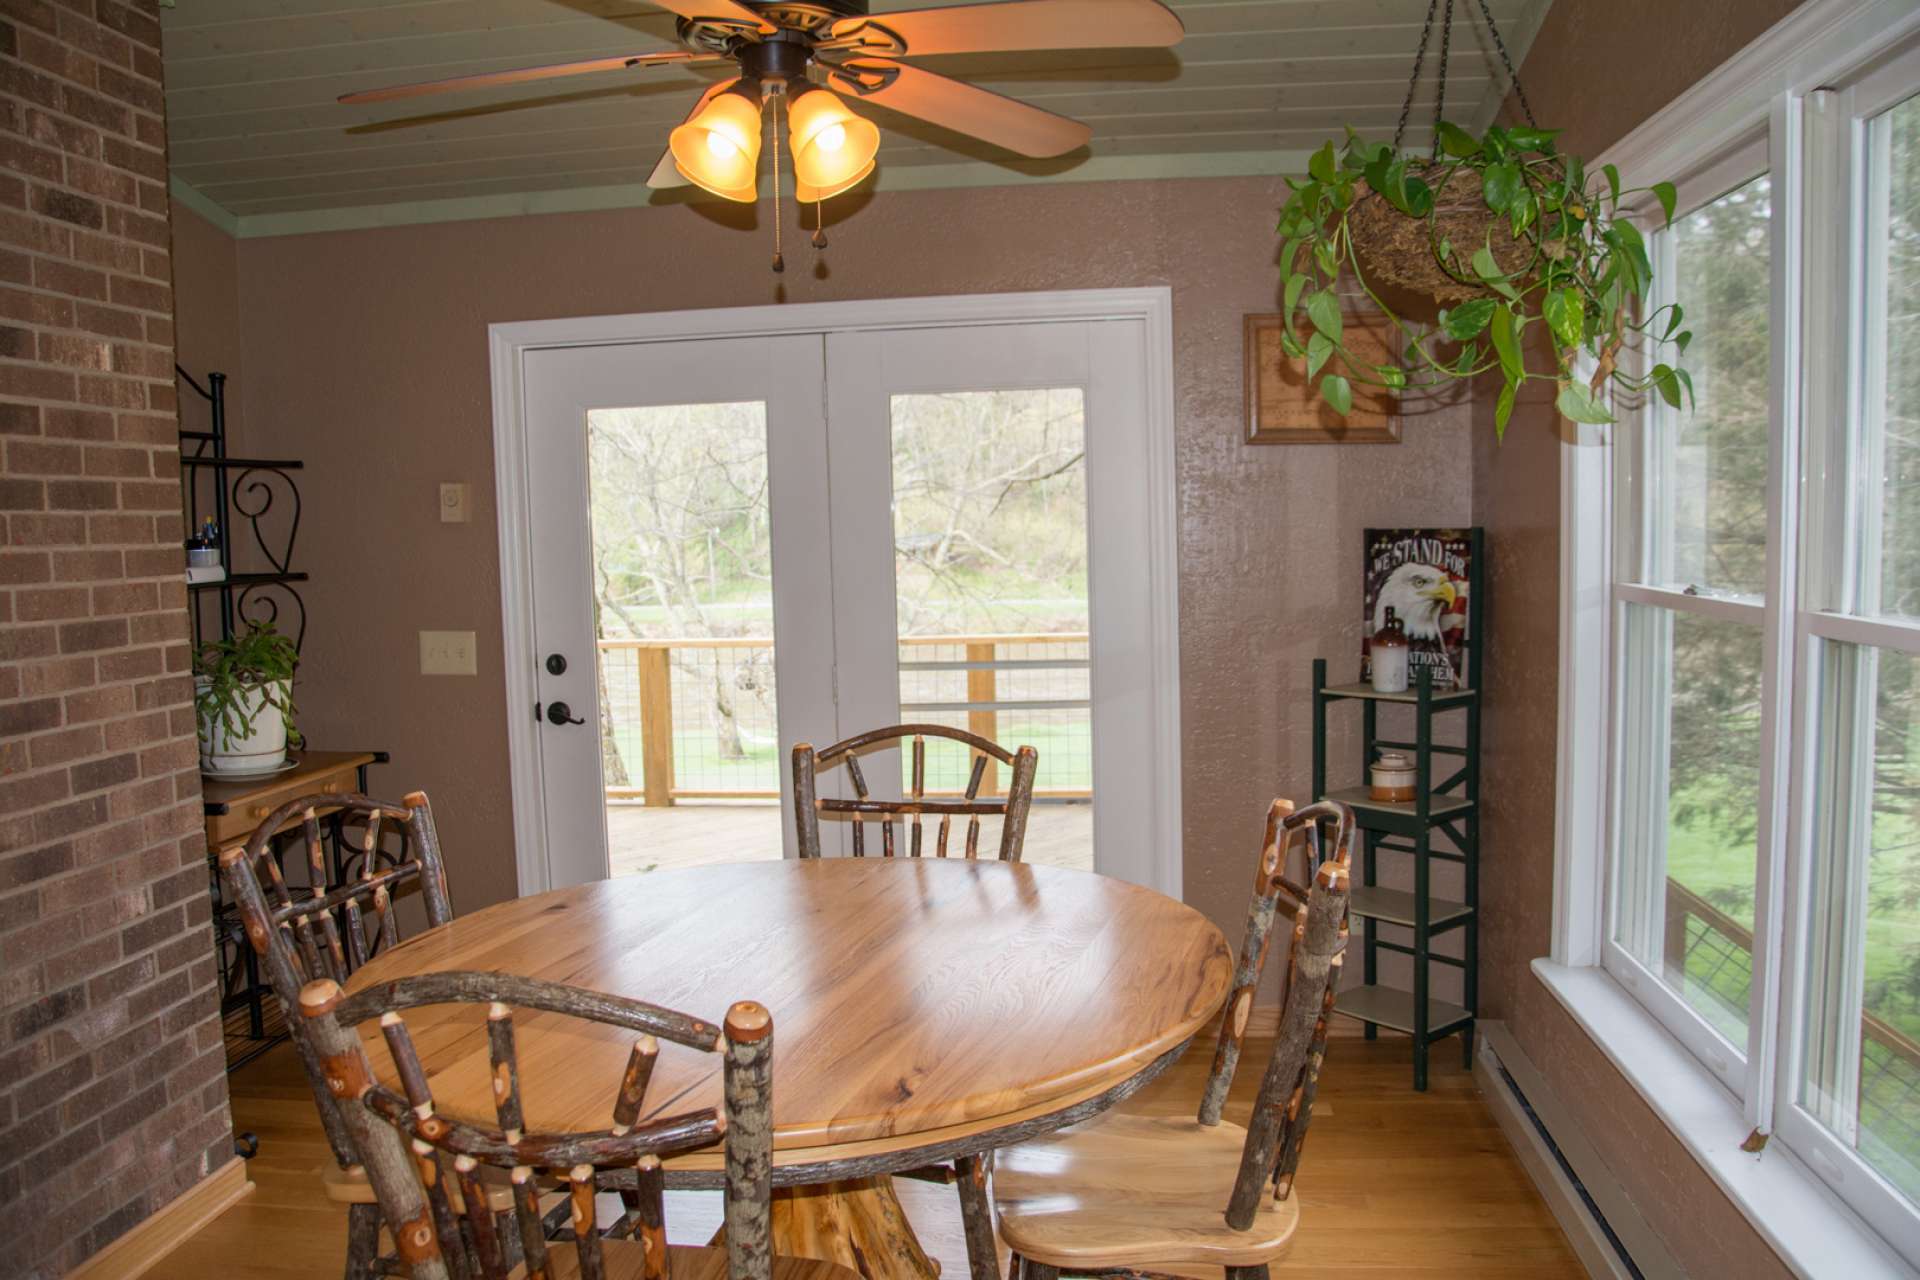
1316 949
294 931
1012 807
408 1144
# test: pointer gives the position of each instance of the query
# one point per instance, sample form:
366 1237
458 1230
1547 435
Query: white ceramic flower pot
260 745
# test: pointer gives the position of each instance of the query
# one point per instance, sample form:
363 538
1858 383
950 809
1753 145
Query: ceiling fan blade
1021 24
667 174
963 108
726 10
522 75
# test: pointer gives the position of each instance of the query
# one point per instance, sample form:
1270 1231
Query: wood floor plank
1393 1183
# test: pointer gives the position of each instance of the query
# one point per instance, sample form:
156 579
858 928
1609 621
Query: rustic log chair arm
459 986
670 1135
406 1142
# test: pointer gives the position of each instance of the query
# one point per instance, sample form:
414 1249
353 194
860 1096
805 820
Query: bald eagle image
1419 594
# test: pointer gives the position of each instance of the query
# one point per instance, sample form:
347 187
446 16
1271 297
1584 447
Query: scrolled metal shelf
264 610
265 464
247 580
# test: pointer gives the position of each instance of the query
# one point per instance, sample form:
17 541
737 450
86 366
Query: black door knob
561 713
556 664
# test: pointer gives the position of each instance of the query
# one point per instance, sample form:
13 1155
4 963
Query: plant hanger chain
1413 82
1446 49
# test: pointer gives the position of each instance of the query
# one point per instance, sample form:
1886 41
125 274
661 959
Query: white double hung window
1742 853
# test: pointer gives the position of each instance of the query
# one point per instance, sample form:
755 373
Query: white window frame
1811 1196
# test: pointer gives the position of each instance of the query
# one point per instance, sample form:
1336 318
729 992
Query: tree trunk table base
857 1223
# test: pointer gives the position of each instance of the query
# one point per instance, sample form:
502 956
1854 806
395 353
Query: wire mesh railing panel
703 711
1718 958
1017 690
725 737
622 760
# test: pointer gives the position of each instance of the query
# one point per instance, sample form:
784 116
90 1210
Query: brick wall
112 1090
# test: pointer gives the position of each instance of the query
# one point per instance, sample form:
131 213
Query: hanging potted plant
243 699
1503 232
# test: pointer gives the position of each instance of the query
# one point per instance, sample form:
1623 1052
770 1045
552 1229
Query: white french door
577 396
846 525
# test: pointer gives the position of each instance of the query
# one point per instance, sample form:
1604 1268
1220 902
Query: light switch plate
456 504
447 653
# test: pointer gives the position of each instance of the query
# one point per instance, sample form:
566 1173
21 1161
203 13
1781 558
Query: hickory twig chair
318 931
1013 807
968 1172
1127 1193
408 1142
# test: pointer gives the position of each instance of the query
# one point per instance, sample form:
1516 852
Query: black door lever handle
560 713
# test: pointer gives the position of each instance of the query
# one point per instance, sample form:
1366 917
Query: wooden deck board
641 838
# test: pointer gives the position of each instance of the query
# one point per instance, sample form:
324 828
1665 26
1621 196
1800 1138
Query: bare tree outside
682 548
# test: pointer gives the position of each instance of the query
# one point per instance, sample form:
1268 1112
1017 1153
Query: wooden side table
234 809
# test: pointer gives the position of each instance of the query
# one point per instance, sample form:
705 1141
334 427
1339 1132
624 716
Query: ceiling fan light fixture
719 148
833 149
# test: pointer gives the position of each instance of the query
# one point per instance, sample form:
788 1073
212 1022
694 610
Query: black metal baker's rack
214 482
218 484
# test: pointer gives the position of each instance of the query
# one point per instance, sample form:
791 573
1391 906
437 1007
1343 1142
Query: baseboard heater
1606 1231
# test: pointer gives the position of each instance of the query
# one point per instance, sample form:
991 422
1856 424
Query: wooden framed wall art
1284 408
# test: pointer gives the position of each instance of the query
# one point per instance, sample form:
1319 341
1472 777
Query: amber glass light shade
833 149
719 149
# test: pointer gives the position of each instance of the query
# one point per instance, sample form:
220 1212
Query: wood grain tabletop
908 995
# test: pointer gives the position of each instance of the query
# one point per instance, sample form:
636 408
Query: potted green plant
243 698
1505 233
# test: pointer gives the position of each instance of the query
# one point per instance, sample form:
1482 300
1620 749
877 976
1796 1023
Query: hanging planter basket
1502 229
1404 252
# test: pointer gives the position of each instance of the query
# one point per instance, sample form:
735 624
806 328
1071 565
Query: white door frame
1152 308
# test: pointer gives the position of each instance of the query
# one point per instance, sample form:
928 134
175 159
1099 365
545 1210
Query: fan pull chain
819 224
779 259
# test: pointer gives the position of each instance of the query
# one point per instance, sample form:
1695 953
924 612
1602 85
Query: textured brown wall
113 1091
206 303
365 353
1594 71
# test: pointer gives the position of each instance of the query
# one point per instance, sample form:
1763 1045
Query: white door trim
509 342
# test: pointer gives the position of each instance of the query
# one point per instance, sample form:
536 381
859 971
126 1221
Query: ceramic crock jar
1387 655
1391 778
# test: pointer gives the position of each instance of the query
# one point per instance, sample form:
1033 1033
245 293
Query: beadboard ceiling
259 144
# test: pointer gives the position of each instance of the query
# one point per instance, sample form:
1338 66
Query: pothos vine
1571 257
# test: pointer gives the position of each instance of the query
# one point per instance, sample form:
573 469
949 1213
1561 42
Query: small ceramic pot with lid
1391 778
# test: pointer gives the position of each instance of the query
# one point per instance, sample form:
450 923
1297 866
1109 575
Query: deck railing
692 718
1715 951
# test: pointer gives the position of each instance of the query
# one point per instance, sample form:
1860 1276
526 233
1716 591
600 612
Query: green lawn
1721 870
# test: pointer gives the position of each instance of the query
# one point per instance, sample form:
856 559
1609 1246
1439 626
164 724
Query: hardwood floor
1393 1183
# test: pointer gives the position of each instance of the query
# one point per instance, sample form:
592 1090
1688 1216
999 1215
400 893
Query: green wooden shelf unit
1447 806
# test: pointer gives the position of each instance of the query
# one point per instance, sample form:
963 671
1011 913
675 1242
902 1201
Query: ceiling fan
814 55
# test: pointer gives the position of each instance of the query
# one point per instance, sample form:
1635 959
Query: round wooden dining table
923 1010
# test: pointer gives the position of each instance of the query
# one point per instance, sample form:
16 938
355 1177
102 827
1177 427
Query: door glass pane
683 611
1690 804
1895 485
990 569
1711 521
1862 1050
